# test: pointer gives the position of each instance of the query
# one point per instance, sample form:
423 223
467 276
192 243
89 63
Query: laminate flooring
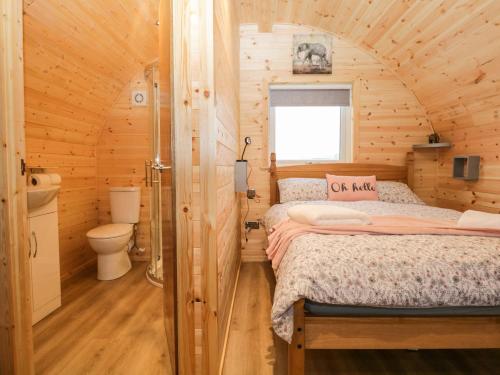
254 349
104 327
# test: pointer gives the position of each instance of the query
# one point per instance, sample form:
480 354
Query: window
310 123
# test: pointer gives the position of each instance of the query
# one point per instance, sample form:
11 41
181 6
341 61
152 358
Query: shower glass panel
154 169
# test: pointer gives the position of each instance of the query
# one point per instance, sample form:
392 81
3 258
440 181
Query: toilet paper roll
39 179
55 178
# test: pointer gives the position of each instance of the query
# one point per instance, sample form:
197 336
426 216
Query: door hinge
23 167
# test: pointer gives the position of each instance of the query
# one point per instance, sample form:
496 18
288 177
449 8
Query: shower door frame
154 169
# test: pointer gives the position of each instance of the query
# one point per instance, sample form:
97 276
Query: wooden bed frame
344 332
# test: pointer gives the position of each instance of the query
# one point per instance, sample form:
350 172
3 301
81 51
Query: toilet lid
110 231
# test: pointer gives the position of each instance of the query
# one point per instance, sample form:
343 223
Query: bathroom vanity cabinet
44 259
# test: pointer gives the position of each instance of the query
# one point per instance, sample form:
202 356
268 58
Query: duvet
414 271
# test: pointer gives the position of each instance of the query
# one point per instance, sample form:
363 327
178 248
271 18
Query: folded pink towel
283 233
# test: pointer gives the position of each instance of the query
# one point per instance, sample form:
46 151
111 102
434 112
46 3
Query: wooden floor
254 349
104 327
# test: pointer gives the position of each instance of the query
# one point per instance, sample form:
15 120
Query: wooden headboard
381 171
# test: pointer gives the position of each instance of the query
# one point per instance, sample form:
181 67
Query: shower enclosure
157 176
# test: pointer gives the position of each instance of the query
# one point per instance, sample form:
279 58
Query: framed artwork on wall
312 54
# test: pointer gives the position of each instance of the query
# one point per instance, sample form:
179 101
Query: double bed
382 291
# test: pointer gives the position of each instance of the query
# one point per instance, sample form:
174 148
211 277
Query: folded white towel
314 214
478 219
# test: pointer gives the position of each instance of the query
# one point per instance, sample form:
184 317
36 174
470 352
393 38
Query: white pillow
397 192
478 219
316 189
323 214
302 189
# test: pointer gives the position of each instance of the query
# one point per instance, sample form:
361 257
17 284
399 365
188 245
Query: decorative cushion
352 188
397 192
302 189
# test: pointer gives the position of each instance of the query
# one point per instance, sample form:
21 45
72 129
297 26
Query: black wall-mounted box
466 167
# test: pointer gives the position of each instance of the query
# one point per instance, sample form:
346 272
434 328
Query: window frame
346 124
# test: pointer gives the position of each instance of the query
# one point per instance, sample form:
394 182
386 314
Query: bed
307 312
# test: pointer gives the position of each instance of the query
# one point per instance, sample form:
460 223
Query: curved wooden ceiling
82 53
446 51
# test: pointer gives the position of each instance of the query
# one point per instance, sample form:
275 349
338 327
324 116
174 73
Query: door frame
16 336
182 176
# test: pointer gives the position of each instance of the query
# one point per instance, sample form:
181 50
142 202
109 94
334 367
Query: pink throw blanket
286 231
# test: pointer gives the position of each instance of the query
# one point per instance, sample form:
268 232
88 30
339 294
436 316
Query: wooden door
16 346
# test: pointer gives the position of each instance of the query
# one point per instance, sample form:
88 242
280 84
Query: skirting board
228 326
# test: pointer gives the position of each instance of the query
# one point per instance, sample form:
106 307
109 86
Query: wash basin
39 196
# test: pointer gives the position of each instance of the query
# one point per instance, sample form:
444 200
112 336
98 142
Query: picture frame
312 54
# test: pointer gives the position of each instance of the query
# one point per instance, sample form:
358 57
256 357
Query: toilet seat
110 231
111 242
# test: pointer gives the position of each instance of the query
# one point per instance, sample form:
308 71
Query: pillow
352 188
302 189
397 192
323 214
478 219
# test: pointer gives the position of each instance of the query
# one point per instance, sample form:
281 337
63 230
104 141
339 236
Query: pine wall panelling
122 148
195 67
227 78
448 55
388 119
16 334
425 162
224 132
79 56
183 21
208 193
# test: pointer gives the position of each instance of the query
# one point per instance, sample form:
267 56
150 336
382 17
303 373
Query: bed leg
297 350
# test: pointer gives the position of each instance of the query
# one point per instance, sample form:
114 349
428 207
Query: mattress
398 272
323 309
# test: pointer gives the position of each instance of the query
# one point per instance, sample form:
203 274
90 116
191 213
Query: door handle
36 244
29 247
159 166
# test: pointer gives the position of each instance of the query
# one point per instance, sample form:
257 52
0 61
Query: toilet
111 241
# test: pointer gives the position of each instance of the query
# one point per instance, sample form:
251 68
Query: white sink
40 196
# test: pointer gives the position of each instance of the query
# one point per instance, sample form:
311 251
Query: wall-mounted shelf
432 145
466 167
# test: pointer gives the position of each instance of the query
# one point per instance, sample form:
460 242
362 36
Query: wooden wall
79 55
388 119
16 334
446 52
195 64
122 148
463 102
227 116
182 109
216 207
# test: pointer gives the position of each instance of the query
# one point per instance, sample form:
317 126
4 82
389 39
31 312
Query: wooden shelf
432 145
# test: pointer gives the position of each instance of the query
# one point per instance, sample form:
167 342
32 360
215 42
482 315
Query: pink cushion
352 188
